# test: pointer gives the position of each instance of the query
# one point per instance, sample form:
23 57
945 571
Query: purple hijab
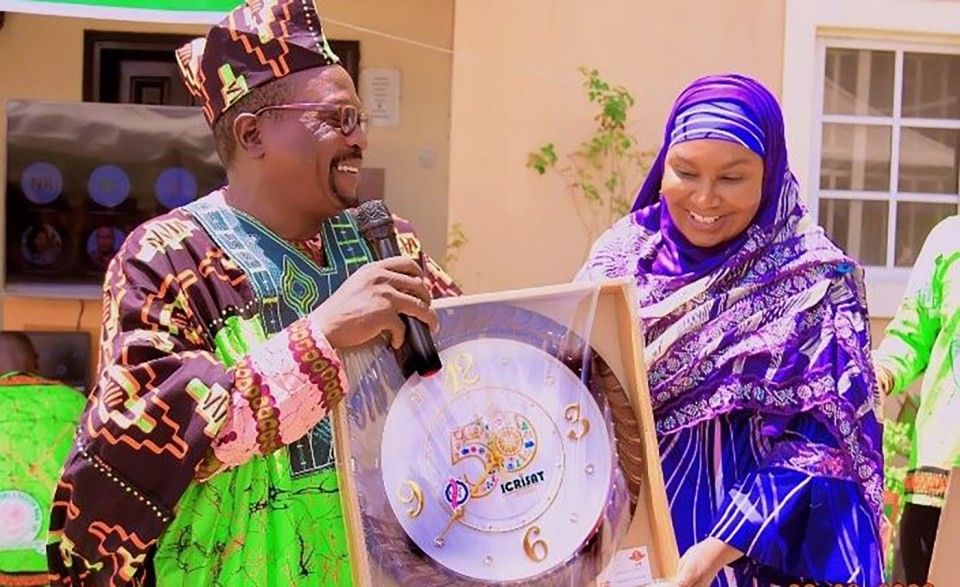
772 322
677 256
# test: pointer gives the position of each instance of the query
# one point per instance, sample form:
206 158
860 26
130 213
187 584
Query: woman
757 350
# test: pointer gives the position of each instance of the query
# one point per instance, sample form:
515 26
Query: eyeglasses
349 117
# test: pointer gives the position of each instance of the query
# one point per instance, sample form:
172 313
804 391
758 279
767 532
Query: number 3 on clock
571 414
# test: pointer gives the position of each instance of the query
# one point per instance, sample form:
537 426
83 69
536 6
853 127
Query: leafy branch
607 169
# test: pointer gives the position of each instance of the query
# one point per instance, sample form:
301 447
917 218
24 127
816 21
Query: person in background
37 421
104 247
41 245
924 339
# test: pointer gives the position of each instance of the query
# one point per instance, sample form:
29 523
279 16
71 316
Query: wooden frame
349 54
106 53
616 335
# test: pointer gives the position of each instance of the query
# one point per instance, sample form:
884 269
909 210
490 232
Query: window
888 150
897 105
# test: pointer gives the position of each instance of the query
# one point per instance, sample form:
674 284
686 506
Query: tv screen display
81 176
64 356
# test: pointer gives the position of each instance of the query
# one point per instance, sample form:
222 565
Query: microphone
418 354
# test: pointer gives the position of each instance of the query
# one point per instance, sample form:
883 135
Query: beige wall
41 57
516 86
415 191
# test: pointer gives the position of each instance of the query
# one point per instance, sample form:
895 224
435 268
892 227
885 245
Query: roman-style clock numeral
536 550
410 493
581 425
460 373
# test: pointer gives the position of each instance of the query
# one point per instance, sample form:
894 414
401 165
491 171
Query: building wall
41 57
511 86
516 86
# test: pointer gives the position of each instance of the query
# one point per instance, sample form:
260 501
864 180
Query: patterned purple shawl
774 321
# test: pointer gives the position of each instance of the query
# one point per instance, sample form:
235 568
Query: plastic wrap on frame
511 465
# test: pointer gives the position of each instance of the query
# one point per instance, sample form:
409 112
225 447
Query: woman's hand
886 534
701 563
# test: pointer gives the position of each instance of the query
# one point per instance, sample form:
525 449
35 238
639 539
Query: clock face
501 465
519 462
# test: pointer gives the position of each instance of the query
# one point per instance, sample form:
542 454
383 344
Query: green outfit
37 421
924 338
257 524
268 521
208 344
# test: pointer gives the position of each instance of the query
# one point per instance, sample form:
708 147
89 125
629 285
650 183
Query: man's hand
370 302
884 380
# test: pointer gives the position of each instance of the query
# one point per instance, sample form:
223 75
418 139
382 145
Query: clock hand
460 511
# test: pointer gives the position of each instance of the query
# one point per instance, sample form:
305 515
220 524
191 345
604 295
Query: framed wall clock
529 458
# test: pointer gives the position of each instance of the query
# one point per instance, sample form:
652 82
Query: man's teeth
704 219
347 168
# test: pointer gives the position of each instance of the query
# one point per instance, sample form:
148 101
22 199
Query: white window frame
813 25
892 196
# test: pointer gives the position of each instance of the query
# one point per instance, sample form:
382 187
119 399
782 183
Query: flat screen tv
64 356
81 176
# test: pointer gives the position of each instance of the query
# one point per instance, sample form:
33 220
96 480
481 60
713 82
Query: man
924 338
37 420
42 245
204 454
103 248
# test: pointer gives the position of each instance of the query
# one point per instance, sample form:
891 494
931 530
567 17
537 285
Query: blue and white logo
22 522
175 187
456 493
41 182
109 186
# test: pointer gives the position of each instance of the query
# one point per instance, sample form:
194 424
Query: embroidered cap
256 43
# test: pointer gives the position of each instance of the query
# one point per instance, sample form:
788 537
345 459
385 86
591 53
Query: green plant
606 170
896 447
897 440
456 240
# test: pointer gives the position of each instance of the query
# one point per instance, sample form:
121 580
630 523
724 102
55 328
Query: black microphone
418 353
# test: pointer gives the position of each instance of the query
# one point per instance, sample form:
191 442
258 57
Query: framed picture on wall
133 68
140 68
349 54
149 89
64 356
